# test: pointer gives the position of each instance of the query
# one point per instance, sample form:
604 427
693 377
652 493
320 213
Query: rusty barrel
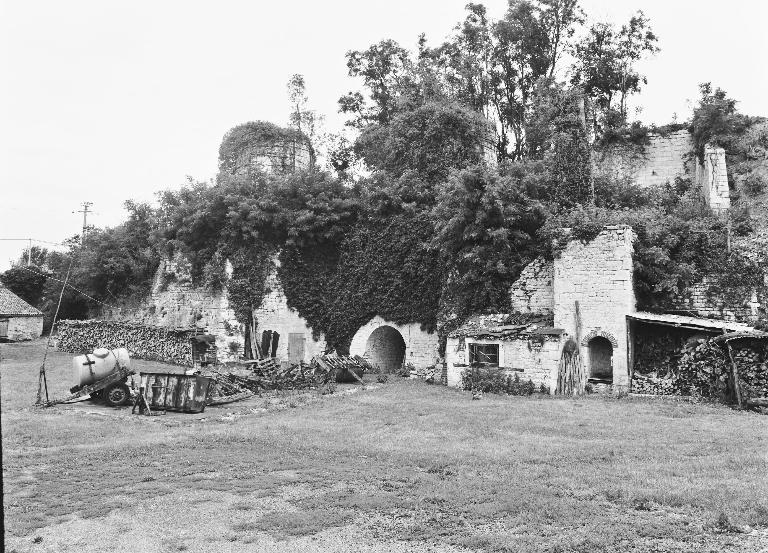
186 393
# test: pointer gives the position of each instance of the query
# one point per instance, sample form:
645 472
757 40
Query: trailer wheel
117 394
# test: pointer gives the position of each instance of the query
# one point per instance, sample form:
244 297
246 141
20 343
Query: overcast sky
106 101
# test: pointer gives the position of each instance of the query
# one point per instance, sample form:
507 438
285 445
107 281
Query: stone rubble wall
598 275
175 303
24 327
279 156
532 292
661 161
275 315
697 300
421 347
538 358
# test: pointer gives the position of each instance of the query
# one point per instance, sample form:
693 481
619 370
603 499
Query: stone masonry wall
279 156
538 359
24 327
662 160
532 292
665 158
275 315
598 276
421 348
175 303
696 300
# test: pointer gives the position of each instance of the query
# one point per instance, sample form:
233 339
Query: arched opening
600 359
385 349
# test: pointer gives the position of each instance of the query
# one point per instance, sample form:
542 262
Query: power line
66 284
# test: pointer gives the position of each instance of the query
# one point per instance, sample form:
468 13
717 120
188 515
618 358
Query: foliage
384 267
495 381
488 67
715 120
605 67
301 118
755 183
428 140
484 230
22 281
678 243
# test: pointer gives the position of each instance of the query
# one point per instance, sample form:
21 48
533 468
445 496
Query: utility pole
29 253
85 212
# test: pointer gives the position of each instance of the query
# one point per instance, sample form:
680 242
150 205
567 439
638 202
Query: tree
26 282
429 140
386 70
303 119
605 66
716 120
485 229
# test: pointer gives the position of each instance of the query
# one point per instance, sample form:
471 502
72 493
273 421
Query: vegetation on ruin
430 233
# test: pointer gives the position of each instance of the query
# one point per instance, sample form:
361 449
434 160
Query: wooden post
735 370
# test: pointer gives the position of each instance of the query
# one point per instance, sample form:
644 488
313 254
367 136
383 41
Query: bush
495 381
755 183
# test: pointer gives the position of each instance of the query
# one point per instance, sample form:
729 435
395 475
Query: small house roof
507 326
11 304
695 323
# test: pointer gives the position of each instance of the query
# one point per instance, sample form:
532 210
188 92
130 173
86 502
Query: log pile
653 384
142 341
752 361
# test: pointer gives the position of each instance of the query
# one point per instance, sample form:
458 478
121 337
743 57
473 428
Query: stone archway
385 349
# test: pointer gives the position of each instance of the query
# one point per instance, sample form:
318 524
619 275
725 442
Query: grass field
401 466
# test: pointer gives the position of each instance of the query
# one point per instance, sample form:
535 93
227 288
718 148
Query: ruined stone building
586 293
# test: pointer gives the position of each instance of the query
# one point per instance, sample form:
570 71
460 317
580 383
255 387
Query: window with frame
486 354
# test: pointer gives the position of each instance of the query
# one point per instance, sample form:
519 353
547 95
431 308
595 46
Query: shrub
496 381
755 183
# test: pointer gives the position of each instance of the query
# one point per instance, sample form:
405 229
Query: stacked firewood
653 384
142 341
752 361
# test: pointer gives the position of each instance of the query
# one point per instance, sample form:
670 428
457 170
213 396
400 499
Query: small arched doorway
385 349
600 359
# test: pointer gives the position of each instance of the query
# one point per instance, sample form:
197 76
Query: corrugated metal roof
686 321
730 337
11 304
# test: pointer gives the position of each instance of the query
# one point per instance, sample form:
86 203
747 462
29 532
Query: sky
104 101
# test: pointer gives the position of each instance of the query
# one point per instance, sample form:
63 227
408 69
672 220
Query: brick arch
601 333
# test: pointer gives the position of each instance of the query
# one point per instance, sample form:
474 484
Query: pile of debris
260 375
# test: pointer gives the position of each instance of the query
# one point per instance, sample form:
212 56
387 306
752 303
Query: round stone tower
265 147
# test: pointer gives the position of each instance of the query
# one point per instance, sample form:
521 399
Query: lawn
400 466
